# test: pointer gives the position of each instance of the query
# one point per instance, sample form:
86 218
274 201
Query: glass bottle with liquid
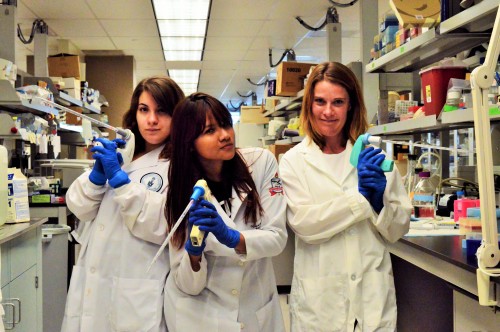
424 201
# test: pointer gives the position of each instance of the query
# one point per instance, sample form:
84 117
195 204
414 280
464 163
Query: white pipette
199 190
127 152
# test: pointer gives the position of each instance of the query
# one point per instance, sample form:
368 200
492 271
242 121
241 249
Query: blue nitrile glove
372 156
97 175
206 217
373 179
193 250
110 162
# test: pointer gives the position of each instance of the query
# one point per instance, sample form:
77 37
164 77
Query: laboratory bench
436 286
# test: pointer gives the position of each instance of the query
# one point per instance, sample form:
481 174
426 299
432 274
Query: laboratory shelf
291 105
463 116
66 100
69 127
426 123
440 42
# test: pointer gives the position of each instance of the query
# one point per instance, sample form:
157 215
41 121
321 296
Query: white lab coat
110 289
233 291
342 268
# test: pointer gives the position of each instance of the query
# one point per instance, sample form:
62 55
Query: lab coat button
234 292
101 227
92 270
353 277
240 263
242 326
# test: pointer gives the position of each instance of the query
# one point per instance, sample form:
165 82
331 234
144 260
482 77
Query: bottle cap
460 193
424 174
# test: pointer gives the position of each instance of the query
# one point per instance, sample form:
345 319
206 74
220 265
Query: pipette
126 151
199 190
123 132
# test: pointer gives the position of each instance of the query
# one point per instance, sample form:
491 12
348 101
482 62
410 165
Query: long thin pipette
198 191
124 133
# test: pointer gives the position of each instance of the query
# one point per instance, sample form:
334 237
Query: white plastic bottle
3 184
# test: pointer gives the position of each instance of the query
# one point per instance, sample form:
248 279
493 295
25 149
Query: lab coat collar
151 160
314 157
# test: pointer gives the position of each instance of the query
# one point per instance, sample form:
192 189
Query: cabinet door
23 288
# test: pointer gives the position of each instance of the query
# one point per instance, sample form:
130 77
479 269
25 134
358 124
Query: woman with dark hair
122 214
228 281
342 215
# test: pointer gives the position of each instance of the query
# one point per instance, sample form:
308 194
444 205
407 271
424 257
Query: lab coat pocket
320 302
196 315
270 317
75 293
379 295
136 304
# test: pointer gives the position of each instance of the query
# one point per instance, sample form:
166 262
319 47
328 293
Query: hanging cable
331 17
243 96
343 5
258 84
38 26
237 107
288 51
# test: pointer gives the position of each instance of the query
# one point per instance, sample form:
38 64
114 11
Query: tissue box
253 114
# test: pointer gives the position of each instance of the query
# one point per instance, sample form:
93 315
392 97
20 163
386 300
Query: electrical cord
38 26
331 17
236 107
257 84
343 5
287 51
243 96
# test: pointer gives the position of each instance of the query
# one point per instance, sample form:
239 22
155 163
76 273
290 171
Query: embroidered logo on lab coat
152 181
276 186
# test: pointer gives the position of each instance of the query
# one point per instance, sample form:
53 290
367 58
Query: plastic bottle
3 184
411 178
424 201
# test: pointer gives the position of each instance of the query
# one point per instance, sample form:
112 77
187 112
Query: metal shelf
438 43
293 104
425 123
463 116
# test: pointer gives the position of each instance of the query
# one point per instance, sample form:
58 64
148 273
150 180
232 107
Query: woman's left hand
206 217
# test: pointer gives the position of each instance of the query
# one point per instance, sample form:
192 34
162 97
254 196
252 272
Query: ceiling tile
150 72
76 28
113 9
247 9
58 9
234 54
93 43
135 43
217 64
145 55
23 11
234 27
227 43
150 65
130 28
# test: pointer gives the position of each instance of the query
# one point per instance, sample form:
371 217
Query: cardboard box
253 114
414 13
290 78
73 119
64 65
278 149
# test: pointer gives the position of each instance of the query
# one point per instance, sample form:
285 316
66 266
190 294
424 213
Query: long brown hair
166 94
188 123
336 73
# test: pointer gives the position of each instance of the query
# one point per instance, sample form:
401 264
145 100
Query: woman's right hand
369 156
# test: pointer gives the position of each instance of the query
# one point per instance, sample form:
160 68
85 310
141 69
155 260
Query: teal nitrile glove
206 217
97 175
110 162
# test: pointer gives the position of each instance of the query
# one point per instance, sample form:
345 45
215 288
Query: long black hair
188 123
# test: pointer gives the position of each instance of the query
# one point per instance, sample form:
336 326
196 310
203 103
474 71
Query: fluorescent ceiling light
182 43
193 28
182 55
181 9
184 75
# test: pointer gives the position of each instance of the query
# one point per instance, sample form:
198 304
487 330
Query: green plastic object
359 145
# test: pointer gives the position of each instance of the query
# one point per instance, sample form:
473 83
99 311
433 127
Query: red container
435 86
